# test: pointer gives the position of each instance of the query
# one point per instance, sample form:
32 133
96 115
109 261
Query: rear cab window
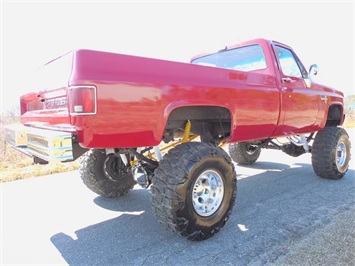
245 58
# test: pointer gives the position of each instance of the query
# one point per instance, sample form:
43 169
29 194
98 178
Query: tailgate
48 108
48 105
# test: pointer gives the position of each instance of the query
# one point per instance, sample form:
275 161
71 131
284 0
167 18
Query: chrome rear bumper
48 145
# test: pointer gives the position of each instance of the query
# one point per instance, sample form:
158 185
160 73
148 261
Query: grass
24 168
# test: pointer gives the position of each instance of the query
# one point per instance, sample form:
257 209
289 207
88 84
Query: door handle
287 80
286 89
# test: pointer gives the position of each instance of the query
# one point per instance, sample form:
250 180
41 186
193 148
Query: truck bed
135 96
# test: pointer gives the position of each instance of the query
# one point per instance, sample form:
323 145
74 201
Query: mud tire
331 153
243 153
104 174
175 182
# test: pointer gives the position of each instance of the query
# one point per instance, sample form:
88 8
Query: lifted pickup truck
161 124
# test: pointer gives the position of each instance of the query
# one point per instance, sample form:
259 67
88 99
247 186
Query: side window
288 62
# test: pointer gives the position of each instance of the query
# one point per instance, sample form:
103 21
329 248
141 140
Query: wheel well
334 117
212 123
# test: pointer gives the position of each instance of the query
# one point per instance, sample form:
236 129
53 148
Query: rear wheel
105 175
194 189
244 153
331 153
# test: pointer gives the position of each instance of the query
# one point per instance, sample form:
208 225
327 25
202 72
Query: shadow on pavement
262 165
274 208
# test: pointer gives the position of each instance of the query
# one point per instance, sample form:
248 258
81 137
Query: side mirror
313 70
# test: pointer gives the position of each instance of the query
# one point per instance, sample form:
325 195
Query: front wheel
331 153
105 175
194 189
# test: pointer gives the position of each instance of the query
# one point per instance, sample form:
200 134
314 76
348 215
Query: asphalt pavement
56 220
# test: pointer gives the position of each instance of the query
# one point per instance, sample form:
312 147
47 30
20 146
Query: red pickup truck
162 124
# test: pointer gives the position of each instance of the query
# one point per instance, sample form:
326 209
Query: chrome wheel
207 193
250 149
341 155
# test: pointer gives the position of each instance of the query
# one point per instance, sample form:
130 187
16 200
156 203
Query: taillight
82 100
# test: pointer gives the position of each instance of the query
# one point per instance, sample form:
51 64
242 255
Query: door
299 99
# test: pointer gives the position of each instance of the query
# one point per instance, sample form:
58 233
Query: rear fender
210 121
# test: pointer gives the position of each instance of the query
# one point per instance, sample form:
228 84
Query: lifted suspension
298 145
146 161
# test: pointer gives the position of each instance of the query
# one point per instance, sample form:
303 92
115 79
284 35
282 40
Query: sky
34 32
